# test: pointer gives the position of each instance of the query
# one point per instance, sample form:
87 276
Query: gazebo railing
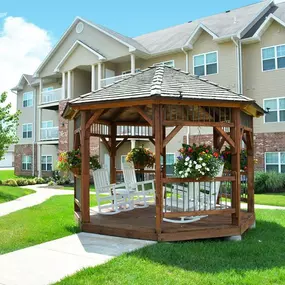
191 197
142 175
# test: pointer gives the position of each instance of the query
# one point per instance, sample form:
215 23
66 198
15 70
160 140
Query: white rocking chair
116 194
143 192
193 197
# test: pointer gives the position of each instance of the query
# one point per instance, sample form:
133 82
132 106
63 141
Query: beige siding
227 62
108 47
262 85
80 56
26 116
82 82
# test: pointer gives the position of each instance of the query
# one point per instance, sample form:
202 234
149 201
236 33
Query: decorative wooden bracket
106 143
171 135
225 136
143 114
152 141
121 143
93 118
220 144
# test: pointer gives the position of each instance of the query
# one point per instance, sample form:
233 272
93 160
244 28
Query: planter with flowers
141 157
228 159
71 161
196 161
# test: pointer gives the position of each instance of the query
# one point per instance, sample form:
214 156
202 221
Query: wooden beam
221 143
93 118
226 136
203 179
139 124
235 152
118 113
143 114
121 143
197 124
113 154
158 184
85 170
106 144
171 135
198 213
250 170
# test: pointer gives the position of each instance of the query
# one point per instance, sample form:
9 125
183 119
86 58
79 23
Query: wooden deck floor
140 223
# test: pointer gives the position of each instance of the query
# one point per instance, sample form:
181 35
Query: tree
8 125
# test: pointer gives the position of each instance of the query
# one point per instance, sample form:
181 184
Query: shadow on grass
6 197
261 248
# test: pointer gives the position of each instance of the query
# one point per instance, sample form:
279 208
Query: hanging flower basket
140 165
141 157
76 171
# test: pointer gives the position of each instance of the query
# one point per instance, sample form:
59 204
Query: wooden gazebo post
85 168
158 185
113 151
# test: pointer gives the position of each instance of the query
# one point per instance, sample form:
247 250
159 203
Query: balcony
48 134
51 96
107 81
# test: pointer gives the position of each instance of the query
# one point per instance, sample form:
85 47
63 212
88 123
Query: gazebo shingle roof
163 81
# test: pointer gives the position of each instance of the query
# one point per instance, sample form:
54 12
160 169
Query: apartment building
242 49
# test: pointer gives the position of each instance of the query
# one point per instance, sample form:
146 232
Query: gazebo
150 101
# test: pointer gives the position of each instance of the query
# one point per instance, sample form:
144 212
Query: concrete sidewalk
49 262
264 207
41 195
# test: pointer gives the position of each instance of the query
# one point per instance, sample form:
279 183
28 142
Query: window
276 110
275 161
46 163
28 99
27 131
46 89
170 160
47 124
129 71
273 58
167 63
123 160
26 162
205 64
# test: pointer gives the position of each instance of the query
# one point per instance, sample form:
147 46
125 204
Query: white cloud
23 46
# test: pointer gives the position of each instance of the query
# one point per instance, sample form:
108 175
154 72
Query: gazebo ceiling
160 82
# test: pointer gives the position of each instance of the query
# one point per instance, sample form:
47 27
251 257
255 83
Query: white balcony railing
107 81
49 134
51 96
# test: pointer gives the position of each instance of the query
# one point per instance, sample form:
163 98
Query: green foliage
62 181
10 182
22 182
51 183
227 156
141 156
40 180
8 125
9 193
196 161
269 182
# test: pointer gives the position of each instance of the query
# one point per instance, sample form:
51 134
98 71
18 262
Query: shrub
10 182
1 182
63 181
22 182
40 180
32 182
51 183
269 182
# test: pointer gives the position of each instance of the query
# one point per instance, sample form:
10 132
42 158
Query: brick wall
62 128
20 150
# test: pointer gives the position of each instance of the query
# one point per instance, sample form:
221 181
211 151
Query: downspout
238 55
35 129
187 70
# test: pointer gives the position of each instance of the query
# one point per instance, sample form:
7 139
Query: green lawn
8 193
273 199
258 259
7 174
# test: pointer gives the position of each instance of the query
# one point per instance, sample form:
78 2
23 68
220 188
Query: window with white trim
276 110
46 162
26 162
167 63
28 99
205 64
47 124
275 161
27 131
170 160
273 57
129 71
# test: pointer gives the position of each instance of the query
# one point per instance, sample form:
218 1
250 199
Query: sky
30 28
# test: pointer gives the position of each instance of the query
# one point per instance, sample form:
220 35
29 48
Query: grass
9 193
48 221
9 174
272 199
258 259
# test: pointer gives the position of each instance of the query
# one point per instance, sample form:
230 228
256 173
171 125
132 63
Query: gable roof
163 81
73 47
25 78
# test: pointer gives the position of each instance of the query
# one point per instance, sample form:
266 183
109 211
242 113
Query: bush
40 180
51 183
10 182
1 182
269 182
22 182
63 181
31 182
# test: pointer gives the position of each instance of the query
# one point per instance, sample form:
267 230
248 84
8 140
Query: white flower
200 158
203 164
195 162
180 172
186 163
182 176
203 173
208 169
187 158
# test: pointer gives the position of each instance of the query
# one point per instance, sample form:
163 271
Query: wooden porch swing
143 106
